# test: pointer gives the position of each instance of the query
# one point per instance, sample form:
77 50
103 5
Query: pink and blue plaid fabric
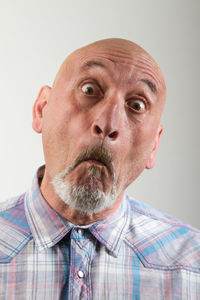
136 253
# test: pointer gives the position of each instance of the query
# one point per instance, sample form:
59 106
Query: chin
86 198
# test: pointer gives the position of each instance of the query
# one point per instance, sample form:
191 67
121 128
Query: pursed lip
96 162
97 155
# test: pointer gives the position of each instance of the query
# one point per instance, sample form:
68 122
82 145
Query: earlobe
38 108
151 161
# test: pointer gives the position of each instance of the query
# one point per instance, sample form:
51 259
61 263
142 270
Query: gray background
35 38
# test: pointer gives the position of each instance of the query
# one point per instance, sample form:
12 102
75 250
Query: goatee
87 198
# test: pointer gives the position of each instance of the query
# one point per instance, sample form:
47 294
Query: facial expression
108 95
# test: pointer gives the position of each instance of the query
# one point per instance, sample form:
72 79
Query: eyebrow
151 85
91 64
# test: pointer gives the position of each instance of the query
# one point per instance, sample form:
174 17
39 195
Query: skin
120 73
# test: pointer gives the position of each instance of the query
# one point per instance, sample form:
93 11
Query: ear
38 108
151 160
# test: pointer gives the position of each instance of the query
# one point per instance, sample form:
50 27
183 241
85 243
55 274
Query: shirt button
80 274
80 231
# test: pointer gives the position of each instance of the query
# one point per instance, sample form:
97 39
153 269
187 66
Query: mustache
97 153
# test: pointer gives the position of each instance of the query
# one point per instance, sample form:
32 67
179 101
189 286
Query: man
75 234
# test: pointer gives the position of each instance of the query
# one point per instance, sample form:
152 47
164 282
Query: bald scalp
124 51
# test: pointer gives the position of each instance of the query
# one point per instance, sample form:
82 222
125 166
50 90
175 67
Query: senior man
75 234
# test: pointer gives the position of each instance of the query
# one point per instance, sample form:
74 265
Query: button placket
80 264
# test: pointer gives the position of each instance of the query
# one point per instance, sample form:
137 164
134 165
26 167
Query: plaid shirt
135 253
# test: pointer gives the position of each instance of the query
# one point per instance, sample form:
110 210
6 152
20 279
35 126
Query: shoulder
11 203
15 230
161 240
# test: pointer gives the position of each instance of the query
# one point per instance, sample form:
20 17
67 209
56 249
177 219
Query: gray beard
87 199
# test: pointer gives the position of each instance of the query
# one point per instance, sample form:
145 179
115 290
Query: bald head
119 51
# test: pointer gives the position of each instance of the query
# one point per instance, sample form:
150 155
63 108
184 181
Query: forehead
121 65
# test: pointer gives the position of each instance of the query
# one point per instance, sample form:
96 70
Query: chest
82 268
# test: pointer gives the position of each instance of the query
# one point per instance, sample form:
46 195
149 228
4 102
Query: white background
35 38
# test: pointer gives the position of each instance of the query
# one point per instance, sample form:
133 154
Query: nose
107 121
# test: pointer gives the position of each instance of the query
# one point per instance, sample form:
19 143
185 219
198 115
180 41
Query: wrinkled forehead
123 63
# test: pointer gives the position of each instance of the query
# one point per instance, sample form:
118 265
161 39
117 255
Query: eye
90 89
137 105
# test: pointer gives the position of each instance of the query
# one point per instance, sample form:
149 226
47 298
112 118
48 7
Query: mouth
96 162
96 155
92 166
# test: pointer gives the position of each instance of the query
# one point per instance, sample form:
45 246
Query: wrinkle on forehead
118 51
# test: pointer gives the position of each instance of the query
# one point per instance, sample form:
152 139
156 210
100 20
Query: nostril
113 134
98 129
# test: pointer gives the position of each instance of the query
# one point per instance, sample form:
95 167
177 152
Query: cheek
63 127
141 139
146 132
58 116
78 126
136 151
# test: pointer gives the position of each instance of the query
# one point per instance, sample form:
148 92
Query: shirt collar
48 227
112 230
